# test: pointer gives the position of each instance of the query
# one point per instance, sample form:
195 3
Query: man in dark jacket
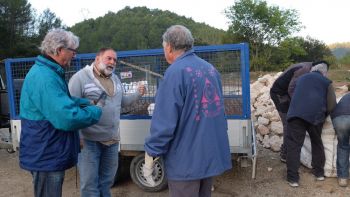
281 92
313 100
189 128
341 122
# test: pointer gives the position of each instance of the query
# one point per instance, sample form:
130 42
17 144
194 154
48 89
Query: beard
105 69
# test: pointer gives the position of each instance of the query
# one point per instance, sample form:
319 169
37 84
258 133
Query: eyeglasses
73 50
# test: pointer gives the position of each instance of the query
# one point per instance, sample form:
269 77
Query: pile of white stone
267 123
269 129
268 126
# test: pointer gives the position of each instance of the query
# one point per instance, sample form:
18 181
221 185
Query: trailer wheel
158 174
10 150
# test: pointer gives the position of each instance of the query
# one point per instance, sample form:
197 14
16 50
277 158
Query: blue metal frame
243 47
10 92
245 80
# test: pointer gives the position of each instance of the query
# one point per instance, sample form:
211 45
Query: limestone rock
275 143
276 127
263 121
266 142
263 130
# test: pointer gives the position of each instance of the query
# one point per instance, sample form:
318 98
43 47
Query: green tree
285 54
21 29
317 50
262 26
15 27
138 28
345 59
46 21
298 49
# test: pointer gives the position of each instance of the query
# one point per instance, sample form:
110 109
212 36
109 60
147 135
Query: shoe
320 178
283 159
293 184
343 182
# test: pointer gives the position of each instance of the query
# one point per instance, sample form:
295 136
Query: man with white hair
189 128
51 117
313 100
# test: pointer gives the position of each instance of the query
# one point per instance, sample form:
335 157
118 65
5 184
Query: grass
340 73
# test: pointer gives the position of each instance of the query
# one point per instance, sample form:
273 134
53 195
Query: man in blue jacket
51 117
313 100
189 128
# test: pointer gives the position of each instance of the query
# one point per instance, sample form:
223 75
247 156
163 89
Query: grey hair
178 37
322 68
58 38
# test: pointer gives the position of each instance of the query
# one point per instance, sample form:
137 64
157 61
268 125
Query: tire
159 175
10 150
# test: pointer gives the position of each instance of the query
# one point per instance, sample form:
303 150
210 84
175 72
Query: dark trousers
295 139
195 188
282 104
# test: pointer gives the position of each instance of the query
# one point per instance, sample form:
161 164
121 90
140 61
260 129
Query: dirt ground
270 181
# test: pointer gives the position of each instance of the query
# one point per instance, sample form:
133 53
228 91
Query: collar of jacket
318 72
42 61
189 52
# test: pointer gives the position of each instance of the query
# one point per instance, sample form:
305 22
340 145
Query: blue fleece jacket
309 101
189 128
50 119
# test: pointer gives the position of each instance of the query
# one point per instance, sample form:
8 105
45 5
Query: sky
324 20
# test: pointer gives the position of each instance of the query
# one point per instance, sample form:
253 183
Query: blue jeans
342 128
98 164
48 184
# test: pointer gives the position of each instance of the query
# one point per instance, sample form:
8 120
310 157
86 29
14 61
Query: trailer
148 67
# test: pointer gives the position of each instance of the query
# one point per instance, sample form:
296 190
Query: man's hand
148 169
101 101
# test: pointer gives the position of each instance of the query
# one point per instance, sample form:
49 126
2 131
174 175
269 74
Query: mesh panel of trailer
230 60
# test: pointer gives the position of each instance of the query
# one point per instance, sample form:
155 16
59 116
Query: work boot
283 158
343 182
